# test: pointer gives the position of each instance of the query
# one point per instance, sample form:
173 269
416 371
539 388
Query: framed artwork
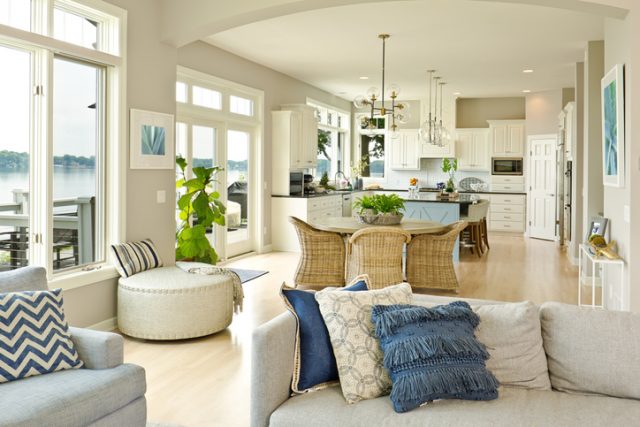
613 127
598 225
151 140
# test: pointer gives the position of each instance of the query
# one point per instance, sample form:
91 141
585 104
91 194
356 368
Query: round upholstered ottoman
168 303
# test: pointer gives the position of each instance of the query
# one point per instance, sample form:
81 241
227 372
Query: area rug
247 275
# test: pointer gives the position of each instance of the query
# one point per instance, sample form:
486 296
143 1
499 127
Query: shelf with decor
594 275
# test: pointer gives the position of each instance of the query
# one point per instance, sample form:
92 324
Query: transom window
208 98
16 13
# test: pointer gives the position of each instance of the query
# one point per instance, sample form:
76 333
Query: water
68 182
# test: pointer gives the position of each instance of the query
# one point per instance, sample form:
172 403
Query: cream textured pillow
359 357
512 334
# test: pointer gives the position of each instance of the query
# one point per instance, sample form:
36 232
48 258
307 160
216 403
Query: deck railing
73 231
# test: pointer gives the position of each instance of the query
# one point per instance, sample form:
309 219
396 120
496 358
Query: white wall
542 110
617 51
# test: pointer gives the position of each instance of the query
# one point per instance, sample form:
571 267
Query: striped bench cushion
133 257
34 335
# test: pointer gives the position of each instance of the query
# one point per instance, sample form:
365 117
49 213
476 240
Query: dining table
349 225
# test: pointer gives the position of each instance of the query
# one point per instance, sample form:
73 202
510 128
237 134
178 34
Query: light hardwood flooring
205 382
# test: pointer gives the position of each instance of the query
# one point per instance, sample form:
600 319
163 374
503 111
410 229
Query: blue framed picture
151 140
613 144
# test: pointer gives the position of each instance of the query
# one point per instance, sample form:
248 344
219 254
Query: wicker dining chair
377 252
476 220
430 259
322 260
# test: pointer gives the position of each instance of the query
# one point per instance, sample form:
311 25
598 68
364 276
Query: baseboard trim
266 249
106 325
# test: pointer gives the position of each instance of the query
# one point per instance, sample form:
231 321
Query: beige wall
278 89
577 178
542 110
474 112
617 51
151 70
593 189
632 103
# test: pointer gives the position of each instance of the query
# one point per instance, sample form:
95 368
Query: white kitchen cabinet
405 150
507 213
472 149
306 139
430 151
507 138
308 209
294 142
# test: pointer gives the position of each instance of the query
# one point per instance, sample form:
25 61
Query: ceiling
480 48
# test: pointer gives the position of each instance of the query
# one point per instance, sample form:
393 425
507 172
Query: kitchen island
425 206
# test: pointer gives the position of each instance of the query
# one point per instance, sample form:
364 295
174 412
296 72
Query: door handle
551 195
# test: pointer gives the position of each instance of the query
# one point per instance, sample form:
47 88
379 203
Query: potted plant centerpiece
379 209
450 167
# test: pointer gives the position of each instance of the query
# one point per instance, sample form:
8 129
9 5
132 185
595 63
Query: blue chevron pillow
34 335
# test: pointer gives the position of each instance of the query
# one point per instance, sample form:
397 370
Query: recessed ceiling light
528 70
526 91
457 93
364 78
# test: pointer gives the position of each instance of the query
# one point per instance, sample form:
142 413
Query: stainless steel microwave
506 166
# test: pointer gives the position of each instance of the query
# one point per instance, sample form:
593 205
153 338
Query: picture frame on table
151 138
613 132
597 225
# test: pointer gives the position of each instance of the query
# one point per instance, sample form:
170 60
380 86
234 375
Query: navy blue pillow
432 353
315 364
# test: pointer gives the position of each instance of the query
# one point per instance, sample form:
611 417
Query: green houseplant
450 167
382 209
200 208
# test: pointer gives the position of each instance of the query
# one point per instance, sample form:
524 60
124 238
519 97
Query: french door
210 143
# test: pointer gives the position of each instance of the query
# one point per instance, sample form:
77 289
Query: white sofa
593 356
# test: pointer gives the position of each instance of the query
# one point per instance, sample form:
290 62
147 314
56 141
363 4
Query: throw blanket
201 268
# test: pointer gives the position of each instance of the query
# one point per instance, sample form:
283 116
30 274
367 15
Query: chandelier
432 131
397 111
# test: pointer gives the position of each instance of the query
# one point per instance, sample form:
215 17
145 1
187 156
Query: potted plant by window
379 209
200 209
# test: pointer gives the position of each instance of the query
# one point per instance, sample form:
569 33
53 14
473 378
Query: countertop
421 197
422 192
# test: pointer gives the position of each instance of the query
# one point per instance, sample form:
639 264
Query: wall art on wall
613 127
151 139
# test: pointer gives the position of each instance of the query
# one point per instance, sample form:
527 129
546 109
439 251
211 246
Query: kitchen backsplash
429 175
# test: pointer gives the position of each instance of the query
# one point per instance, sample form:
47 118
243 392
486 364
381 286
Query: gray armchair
106 392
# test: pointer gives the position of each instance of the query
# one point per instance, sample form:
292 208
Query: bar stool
475 235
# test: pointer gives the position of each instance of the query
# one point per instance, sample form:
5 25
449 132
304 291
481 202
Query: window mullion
41 161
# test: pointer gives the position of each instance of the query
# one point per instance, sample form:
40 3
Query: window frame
335 129
44 47
358 146
227 120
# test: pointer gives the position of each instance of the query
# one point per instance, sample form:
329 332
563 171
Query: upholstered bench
168 303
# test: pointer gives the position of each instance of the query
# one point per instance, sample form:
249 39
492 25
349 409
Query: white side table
593 273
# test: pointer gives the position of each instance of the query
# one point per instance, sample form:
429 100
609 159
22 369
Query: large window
61 110
333 134
372 148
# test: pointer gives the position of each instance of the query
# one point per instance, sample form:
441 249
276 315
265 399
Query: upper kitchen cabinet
405 150
430 151
295 131
507 138
472 149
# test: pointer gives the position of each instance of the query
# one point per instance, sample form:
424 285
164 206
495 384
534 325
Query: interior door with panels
542 187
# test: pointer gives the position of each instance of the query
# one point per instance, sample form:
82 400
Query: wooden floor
205 382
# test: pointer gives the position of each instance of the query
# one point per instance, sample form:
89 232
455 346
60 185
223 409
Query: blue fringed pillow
314 361
432 353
